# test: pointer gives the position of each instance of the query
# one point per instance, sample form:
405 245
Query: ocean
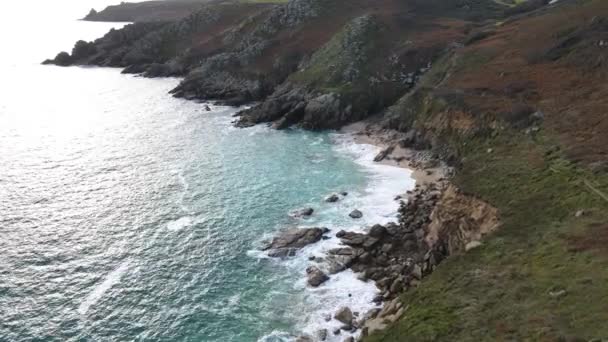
129 215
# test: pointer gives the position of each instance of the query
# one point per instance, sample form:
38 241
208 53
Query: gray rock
315 276
287 242
338 263
332 198
378 231
352 239
344 315
296 238
356 214
283 252
302 212
322 334
384 153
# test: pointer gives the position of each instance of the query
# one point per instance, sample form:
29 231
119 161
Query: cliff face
353 57
513 96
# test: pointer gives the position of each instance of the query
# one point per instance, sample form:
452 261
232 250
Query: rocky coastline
488 102
396 256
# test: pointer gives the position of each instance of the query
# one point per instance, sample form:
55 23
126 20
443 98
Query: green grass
500 291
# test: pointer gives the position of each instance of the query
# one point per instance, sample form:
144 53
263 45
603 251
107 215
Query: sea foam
377 202
98 291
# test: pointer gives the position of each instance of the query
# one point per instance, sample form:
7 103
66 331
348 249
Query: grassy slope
502 291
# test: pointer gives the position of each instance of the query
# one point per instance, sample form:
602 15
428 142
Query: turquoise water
128 215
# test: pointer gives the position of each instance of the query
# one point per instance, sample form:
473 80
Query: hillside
146 11
512 96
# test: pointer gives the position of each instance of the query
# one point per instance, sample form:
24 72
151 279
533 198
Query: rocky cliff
146 11
510 94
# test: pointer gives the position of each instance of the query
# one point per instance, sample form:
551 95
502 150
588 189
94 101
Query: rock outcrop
315 276
289 241
435 222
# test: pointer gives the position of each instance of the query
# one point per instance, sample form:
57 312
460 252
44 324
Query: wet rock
356 214
384 153
332 198
283 252
304 339
344 315
315 276
344 193
302 212
349 339
322 334
347 327
338 263
295 238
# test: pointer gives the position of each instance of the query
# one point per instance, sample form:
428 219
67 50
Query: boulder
322 334
62 59
352 239
296 238
356 214
283 252
378 231
344 315
338 263
315 276
302 212
384 153
332 198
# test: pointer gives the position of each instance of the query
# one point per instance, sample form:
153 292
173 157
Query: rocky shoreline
487 87
395 256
